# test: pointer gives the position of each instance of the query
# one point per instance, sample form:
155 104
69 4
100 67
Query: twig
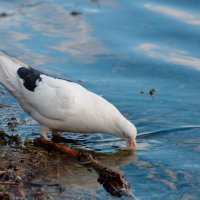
56 147
112 181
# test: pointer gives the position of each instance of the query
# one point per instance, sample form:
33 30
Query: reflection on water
74 33
119 48
168 54
184 16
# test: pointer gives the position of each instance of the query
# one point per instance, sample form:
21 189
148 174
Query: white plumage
60 105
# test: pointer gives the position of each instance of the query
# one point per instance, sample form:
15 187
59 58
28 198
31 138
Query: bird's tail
8 73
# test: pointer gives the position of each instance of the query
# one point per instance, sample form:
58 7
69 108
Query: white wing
52 98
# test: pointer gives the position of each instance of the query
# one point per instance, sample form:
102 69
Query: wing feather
52 98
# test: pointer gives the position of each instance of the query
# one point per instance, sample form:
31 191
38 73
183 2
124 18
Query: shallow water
120 49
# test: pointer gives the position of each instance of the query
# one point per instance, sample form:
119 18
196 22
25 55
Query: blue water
120 49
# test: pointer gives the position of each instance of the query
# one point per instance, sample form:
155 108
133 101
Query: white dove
60 105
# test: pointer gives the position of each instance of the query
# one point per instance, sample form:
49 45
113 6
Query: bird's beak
131 144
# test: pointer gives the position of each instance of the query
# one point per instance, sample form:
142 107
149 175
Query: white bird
59 105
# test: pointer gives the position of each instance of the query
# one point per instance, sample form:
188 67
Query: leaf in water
152 91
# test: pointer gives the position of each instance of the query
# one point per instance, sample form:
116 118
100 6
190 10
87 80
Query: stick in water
112 181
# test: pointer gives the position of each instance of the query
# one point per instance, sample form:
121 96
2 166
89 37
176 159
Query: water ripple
182 15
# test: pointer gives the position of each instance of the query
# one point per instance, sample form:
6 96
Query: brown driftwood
112 181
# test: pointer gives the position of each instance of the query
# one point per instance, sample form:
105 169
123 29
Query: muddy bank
30 171
25 171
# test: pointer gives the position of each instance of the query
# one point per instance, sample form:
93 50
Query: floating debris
75 13
142 92
152 91
4 14
12 123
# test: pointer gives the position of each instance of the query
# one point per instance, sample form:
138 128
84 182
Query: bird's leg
56 137
44 132
55 132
